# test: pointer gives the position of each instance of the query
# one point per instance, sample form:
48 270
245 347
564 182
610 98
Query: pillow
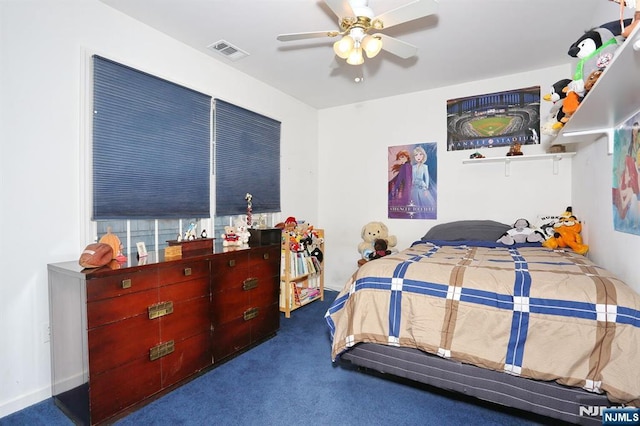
469 230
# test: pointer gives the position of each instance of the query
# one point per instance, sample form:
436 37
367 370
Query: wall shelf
555 157
613 99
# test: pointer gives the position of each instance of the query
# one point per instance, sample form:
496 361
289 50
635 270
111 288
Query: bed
546 331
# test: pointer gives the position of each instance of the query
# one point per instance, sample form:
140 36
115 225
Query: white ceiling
466 40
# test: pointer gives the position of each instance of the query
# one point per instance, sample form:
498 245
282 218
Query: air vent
228 50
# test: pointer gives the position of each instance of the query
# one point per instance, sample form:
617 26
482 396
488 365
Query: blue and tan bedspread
527 311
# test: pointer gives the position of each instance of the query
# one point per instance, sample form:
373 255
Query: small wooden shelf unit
301 277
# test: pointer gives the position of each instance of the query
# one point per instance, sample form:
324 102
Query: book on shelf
300 263
300 293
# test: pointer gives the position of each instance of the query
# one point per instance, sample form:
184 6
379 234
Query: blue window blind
151 146
247 160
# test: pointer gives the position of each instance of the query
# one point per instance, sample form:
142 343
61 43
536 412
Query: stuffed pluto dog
372 231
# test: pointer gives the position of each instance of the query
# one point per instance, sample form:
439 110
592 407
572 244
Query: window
247 157
151 159
151 146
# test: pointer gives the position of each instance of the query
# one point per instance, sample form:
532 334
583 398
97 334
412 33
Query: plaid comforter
527 311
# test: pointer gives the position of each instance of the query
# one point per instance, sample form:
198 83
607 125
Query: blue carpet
290 380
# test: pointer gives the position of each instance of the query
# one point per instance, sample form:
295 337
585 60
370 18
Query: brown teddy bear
381 249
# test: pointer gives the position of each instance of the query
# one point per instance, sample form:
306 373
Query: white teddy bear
372 231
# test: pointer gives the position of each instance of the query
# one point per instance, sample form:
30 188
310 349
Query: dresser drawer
228 266
185 290
121 284
240 295
267 323
229 338
105 311
266 292
189 356
265 261
189 318
183 271
115 391
121 342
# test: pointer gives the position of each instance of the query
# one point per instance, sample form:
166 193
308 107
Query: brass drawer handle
187 272
160 309
265 256
126 283
250 314
232 263
249 284
163 349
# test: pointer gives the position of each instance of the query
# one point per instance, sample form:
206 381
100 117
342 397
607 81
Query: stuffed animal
595 49
380 249
556 95
591 79
230 237
242 231
567 234
372 231
521 233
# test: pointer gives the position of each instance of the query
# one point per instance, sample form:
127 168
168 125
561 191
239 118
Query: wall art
494 120
412 181
625 191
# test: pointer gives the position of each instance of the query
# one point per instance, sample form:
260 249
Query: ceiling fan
356 20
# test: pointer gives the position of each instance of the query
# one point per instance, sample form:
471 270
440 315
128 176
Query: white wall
592 181
42 121
353 163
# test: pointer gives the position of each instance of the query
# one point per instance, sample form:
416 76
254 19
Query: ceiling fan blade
341 8
410 11
397 47
304 36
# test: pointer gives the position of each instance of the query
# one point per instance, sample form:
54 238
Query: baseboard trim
24 401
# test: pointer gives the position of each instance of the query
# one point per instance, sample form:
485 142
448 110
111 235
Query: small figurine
116 246
248 197
262 222
203 234
514 150
190 233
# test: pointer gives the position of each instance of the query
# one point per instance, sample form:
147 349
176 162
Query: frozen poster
412 177
626 177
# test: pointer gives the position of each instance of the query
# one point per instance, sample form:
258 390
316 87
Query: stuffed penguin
556 95
595 50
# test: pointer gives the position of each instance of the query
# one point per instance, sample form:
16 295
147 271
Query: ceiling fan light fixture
343 47
355 57
371 45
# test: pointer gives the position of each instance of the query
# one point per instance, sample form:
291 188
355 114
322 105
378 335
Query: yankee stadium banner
494 119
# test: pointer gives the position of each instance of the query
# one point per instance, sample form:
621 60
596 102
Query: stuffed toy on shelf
595 49
556 95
